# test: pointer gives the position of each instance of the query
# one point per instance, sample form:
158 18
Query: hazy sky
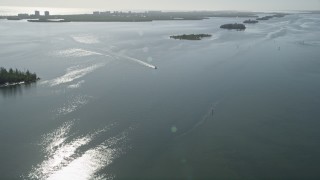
172 4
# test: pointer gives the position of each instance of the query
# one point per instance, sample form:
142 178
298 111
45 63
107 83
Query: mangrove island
265 18
190 36
233 26
250 21
13 77
279 15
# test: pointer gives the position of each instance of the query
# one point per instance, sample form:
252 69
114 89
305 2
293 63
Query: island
265 18
48 20
235 26
190 36
250 21
15 77
278 15
14 18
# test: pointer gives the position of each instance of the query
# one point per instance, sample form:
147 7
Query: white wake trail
139 61
117 55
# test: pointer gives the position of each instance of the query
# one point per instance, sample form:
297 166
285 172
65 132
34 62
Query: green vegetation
233 26
15 18
15 76
250 21
279 15
265 18
190 36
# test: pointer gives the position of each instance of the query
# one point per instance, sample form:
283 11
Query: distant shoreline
119 16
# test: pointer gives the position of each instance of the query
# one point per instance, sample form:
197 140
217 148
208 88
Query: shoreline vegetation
190 36
265 18
15 77
235 26
250 21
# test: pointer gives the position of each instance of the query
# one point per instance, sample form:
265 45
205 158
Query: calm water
239 105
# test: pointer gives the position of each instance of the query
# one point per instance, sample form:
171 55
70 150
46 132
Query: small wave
306 25
278 33
309 43
86 39
75 52
76 85
73 104
72 74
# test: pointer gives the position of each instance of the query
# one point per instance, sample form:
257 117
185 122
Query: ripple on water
72 104
76 85
85 38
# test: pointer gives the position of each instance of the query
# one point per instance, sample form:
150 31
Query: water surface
239 105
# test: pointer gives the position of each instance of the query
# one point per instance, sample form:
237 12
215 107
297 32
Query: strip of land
190 36
118 16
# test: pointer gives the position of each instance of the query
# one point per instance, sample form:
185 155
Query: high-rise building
37 13
46 13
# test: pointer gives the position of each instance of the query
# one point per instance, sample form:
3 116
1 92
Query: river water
238 105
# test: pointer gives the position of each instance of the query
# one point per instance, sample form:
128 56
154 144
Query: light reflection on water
64 158
190 77
76 85
73 104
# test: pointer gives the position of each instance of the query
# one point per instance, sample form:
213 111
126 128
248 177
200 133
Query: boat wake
73 73
85 39
118 55
76 52
138 61
208 116
76 85
279 33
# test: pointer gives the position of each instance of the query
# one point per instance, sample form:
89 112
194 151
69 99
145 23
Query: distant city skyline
254 5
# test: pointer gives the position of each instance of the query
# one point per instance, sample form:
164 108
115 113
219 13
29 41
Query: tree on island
190 36
250 21
233 26
15 76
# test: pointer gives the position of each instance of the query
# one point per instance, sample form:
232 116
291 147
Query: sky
254 5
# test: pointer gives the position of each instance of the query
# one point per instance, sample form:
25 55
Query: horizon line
163 10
